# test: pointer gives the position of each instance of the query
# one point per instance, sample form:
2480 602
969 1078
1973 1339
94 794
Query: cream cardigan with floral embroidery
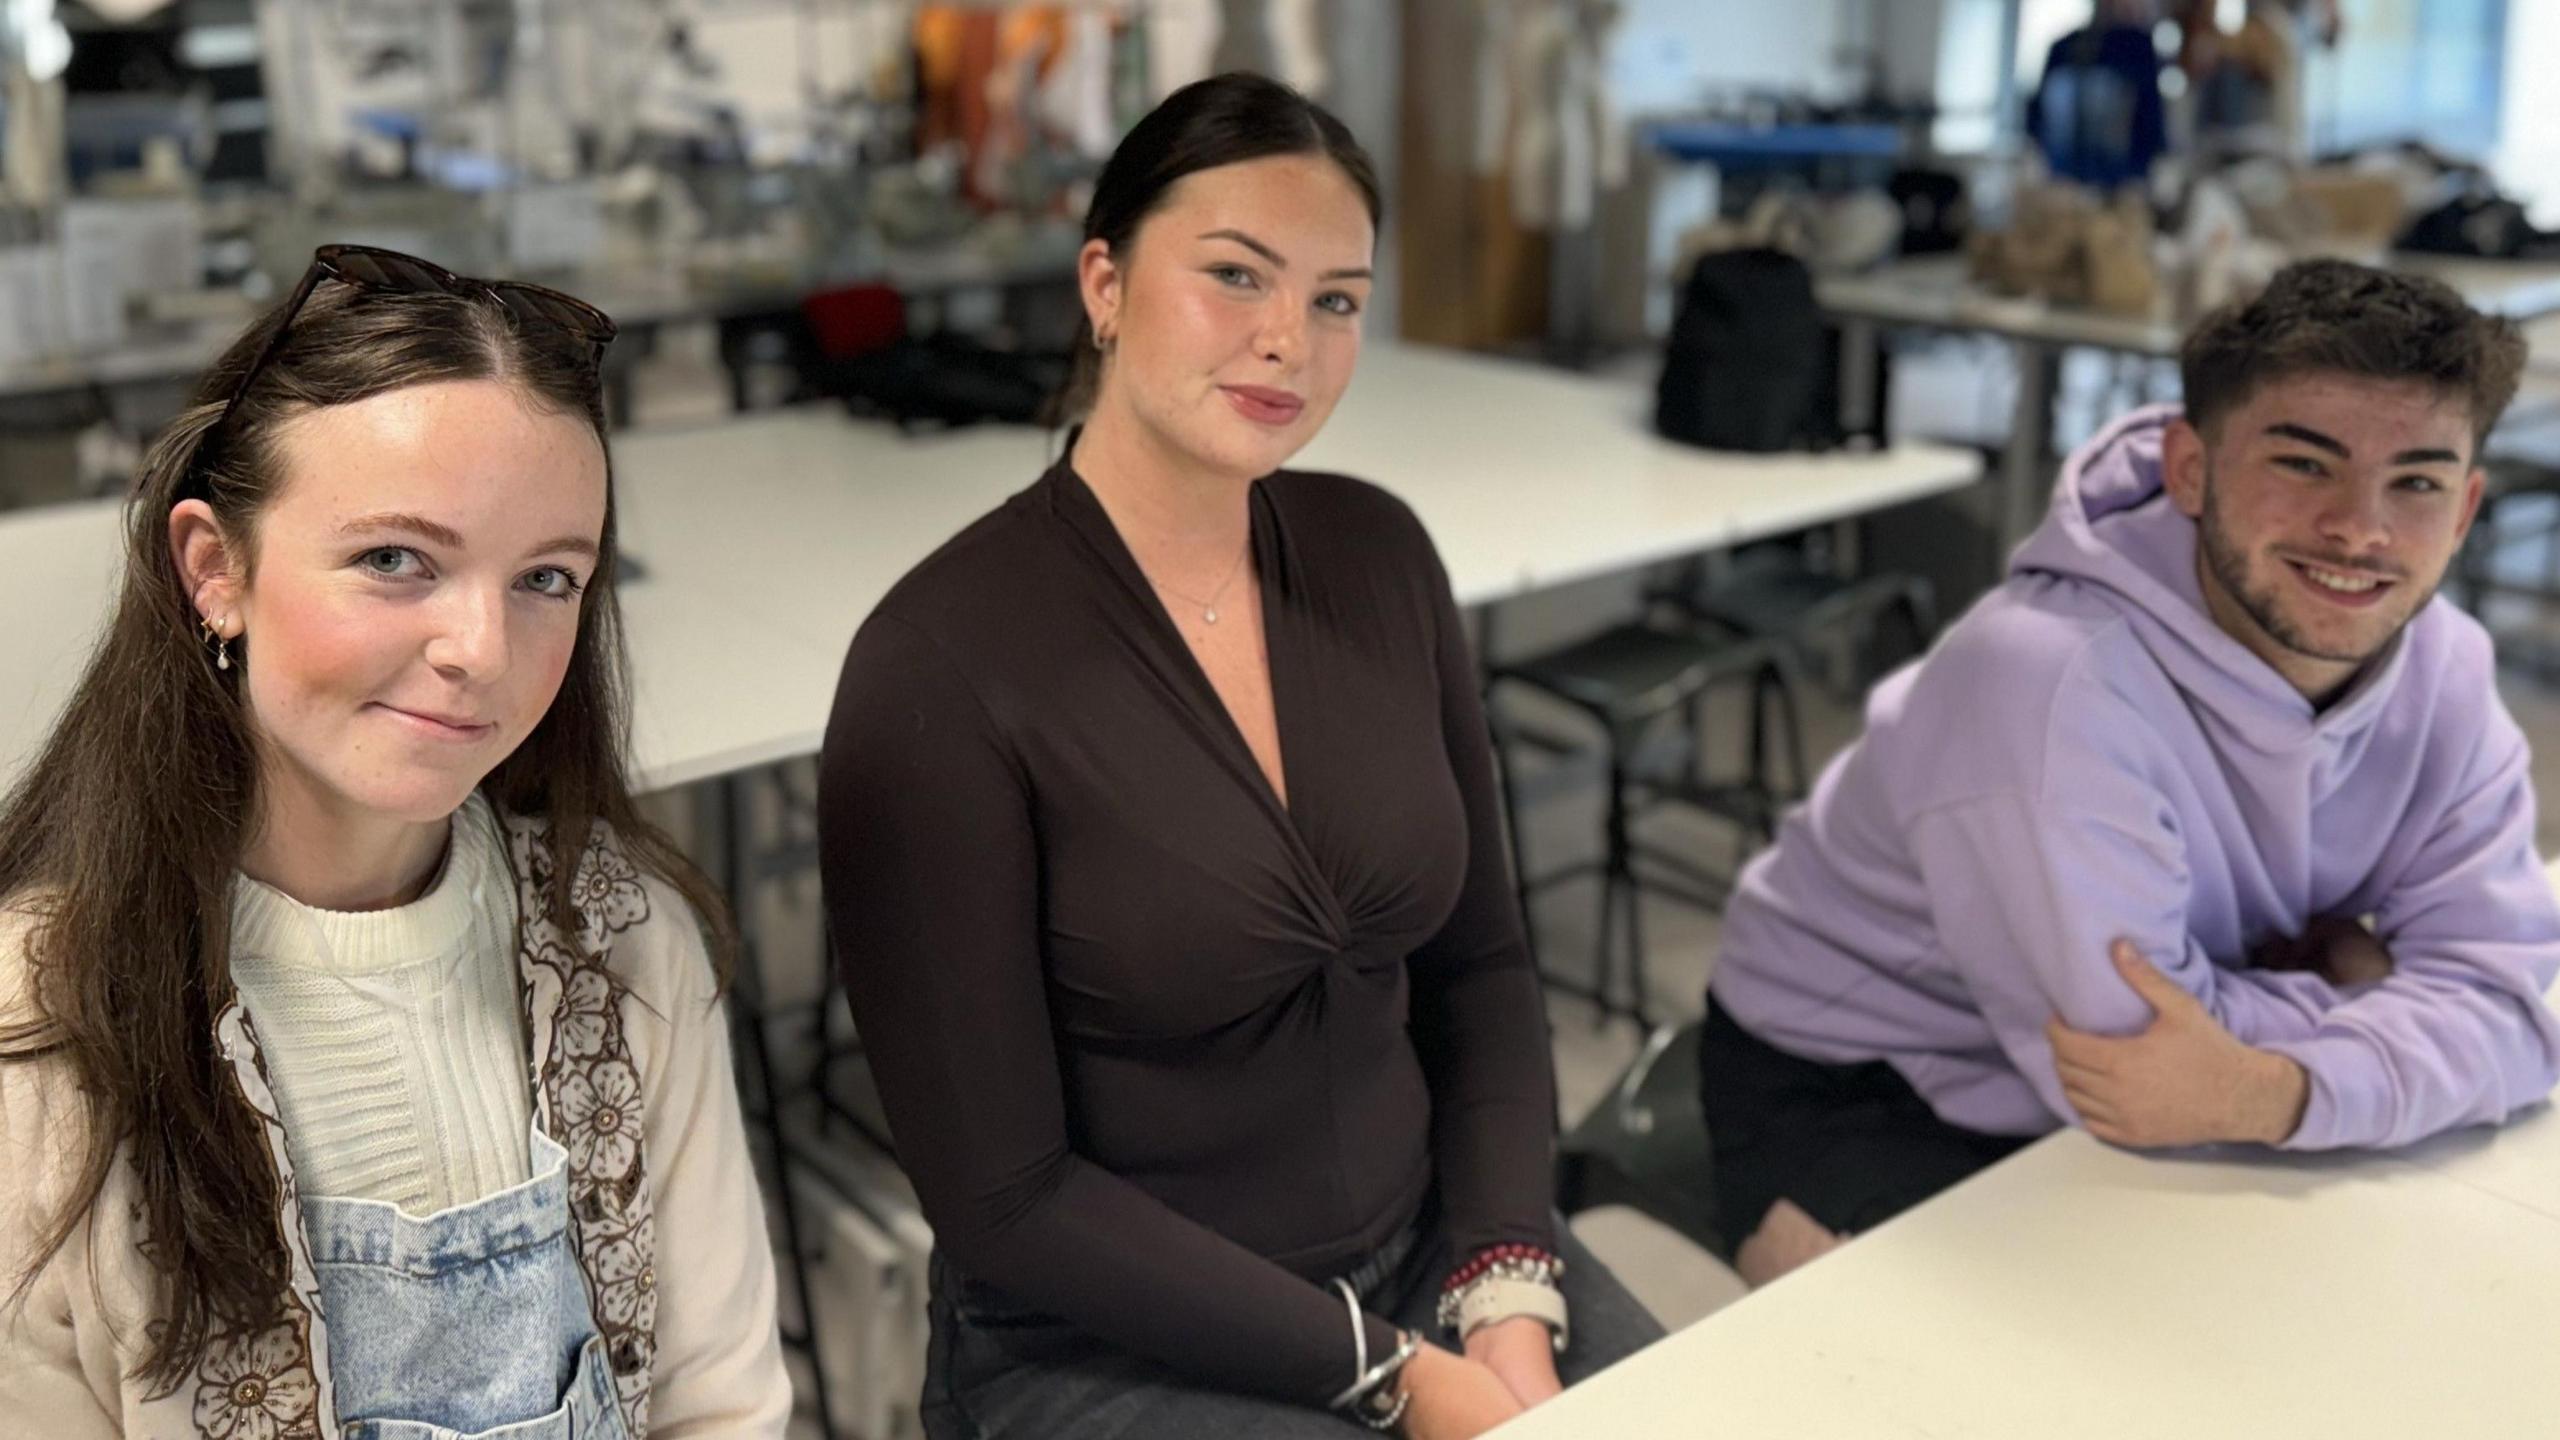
631 1059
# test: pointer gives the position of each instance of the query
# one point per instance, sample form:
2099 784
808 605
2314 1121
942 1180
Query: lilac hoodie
2086 754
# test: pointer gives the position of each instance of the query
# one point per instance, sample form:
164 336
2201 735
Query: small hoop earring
214 637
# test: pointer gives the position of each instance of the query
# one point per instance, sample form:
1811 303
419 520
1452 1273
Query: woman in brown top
1164 863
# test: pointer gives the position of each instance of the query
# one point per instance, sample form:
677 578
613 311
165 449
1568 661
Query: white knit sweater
392 1036
74 1339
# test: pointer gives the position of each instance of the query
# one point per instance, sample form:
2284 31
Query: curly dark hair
2337 317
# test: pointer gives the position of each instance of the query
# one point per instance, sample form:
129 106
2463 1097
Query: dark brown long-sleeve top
1159 1052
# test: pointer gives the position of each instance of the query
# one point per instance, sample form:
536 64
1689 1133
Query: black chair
2521 505
1777 593
1633 681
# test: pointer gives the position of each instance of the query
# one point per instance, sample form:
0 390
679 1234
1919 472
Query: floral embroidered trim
266 1383
590 1097
258 1385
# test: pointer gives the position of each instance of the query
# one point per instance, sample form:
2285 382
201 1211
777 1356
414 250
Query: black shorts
1852 1145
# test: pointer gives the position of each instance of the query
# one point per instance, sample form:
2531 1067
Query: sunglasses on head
391 272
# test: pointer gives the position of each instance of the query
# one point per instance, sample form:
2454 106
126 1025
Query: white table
2077 1290
1935 294
1527 478
766 540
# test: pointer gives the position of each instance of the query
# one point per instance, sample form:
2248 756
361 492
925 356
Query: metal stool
1629 679
1645 1145
2523 463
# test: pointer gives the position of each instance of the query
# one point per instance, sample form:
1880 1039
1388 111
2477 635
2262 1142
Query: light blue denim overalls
470 1322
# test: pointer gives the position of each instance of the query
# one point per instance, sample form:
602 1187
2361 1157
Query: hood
2113 530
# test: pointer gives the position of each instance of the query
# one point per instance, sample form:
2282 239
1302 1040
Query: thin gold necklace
1208 607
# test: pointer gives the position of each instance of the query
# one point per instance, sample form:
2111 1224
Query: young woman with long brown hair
359 1040
1166 875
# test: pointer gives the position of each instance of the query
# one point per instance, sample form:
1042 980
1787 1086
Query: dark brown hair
121 841
1223 120
2337 317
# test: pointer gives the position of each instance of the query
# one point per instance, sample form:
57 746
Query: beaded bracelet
1485 1259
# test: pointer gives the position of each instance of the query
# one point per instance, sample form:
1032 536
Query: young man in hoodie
2206 825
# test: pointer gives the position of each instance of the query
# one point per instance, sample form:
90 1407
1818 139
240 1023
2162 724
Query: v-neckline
1085 511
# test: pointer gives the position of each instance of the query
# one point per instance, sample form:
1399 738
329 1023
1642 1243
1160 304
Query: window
2410 69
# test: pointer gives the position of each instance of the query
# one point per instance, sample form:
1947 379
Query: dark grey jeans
1008 1376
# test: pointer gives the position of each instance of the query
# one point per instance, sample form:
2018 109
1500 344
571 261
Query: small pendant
1209 615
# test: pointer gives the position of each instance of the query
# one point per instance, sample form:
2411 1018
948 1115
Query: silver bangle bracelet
1361 1399
1359 1344
1392 1416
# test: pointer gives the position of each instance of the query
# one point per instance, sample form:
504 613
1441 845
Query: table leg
723 802
1573 282
2025 474
1845 556
1505 779
1862 399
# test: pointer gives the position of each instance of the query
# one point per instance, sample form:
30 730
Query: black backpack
945 381
1935 210
1747 364
2488 225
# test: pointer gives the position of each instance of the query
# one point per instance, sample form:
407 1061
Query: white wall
2528 160
1910 32
1670 54
1970 46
